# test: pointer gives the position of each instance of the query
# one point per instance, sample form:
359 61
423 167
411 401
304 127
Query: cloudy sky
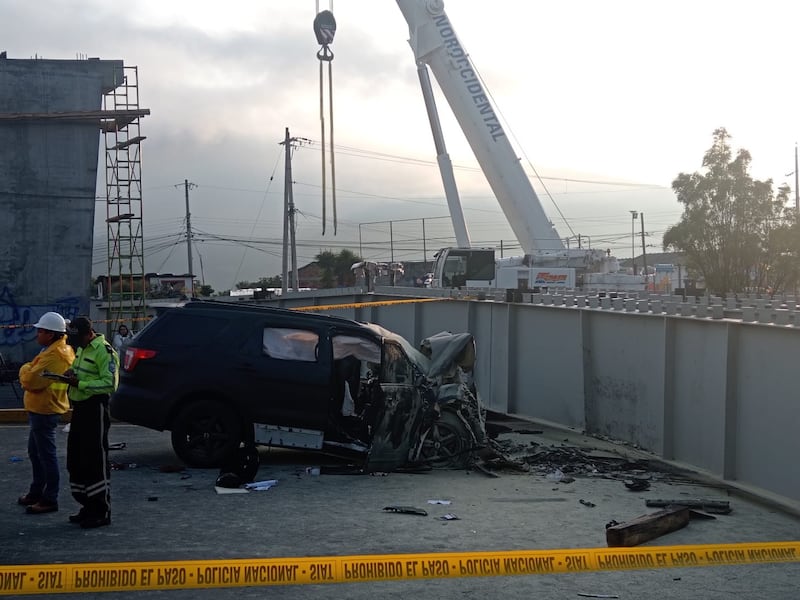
607 101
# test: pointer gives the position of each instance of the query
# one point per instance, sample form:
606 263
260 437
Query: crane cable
325 29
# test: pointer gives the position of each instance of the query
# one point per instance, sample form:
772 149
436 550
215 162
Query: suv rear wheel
205 433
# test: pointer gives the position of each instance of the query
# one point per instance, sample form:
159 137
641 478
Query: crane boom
435 44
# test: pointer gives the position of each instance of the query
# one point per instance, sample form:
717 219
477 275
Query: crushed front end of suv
220 376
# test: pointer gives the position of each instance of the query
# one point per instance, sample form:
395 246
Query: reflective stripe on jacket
97 369
42 395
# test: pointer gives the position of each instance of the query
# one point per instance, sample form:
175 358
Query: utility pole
187 186
634 215
285 253
288 218
644 254
424 246
293 234
796 182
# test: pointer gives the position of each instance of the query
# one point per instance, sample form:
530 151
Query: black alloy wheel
447 443
205 433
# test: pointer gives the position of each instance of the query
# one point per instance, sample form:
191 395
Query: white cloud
621 90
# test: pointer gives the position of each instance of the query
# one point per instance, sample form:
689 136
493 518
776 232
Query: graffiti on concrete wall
16 320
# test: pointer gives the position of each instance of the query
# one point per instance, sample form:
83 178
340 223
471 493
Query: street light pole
634 216
796 181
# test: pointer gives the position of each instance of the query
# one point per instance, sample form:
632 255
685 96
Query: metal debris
406 510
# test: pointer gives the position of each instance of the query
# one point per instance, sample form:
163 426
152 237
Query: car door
399 418
285 369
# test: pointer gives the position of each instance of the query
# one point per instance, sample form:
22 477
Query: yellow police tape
295 308
173 575
363 304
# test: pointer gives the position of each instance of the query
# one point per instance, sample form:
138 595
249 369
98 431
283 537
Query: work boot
27 500
42 507
78 516
94 522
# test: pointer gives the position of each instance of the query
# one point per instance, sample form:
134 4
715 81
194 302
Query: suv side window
290 344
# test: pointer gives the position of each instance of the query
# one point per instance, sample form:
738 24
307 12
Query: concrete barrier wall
48 175
711 392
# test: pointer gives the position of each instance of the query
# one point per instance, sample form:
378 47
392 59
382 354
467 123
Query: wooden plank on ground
647 527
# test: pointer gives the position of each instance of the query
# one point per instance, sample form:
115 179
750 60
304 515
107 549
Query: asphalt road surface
165 512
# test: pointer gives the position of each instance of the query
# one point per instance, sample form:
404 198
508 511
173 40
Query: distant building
156 285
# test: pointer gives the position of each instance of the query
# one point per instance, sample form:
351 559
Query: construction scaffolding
126 285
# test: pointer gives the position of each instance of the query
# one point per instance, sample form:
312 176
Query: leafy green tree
206 290
335 268
734 230
262 282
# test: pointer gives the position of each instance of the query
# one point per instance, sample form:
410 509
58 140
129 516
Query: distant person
123 336
45 400
92 379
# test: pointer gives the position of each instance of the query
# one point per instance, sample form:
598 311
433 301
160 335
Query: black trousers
87 456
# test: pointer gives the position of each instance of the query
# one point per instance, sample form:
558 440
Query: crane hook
325 29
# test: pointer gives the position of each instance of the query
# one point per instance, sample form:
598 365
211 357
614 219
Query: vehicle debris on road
406 510
719 507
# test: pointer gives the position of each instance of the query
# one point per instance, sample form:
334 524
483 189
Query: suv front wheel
447 444
205 433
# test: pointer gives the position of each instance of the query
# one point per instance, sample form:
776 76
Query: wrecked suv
219 376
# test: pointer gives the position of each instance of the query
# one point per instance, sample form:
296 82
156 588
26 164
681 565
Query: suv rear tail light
134 355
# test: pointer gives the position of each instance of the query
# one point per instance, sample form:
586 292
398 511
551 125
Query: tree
263 282
206 290
733 230
336 269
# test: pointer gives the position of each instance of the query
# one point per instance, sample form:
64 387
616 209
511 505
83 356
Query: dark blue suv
219 375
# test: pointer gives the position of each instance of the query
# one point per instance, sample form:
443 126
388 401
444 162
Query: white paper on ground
224 490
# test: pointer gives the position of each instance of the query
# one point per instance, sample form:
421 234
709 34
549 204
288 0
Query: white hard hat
51 321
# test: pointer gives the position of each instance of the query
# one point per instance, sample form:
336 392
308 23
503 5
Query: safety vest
97 368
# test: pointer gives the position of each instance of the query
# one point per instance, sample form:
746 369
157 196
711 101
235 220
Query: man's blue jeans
42 452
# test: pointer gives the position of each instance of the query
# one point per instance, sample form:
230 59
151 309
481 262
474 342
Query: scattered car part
637 484
406 510
719 507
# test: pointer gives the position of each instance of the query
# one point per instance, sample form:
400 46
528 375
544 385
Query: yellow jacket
42 395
